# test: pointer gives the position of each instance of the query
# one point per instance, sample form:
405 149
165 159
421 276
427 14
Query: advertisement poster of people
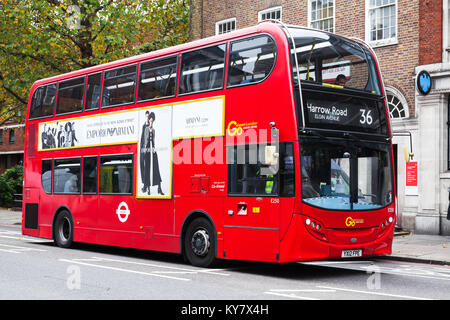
154 153
58 135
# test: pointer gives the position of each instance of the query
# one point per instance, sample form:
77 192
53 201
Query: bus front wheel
200 243
63 233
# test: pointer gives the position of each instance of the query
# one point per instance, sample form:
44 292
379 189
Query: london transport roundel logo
423 82
123 212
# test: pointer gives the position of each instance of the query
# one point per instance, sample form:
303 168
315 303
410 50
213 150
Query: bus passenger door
117 220
251 229
252 207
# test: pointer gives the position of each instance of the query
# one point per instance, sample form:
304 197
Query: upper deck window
43 102
202 69
251 60
119 86
157 79
334 61
93 91
70 96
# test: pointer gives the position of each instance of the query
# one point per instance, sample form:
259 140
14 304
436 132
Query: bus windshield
330 60
346 175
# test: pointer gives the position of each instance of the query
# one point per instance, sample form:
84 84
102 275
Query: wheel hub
200 242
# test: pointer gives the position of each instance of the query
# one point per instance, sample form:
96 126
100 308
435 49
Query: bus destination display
348 115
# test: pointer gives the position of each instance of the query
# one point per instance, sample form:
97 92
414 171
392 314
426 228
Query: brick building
11 145
408 36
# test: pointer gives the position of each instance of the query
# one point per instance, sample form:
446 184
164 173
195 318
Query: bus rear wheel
63 233
200 243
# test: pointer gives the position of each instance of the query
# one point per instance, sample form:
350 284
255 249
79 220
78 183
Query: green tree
10 183
6 193
42 38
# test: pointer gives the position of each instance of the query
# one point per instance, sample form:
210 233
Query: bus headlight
316 229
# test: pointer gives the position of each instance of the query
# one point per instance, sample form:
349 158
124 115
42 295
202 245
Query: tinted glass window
157 79
346 175
329 60
247 174
119 86
251 60
90 175
116 174
70 96
43 101
203 69
93 91
67 176
46 175
287 169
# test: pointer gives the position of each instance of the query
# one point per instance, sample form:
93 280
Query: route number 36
366 117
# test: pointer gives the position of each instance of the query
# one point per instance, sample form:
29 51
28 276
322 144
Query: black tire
200 243
63 232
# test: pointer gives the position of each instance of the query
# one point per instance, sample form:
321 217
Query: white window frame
270 10
310 15
382 42
392 91
224 22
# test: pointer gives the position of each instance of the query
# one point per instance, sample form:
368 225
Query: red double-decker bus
270 143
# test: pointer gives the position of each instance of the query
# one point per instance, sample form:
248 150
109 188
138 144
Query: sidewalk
406 247
10 217
421 248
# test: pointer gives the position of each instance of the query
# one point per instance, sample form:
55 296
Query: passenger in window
341 80
71 185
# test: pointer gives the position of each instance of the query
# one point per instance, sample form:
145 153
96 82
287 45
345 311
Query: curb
416 260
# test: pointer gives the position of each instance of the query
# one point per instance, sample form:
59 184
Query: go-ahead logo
236 129
123 212
350 222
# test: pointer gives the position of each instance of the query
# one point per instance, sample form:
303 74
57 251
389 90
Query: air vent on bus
31 215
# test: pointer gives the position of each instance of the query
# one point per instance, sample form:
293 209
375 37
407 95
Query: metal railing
16 203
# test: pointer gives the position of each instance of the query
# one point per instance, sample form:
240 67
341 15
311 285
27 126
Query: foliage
42 38
6 193
10 183
14 178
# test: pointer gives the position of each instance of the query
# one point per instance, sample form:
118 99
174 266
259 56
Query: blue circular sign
423 82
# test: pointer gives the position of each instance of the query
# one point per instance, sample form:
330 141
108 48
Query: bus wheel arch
198 239
63 227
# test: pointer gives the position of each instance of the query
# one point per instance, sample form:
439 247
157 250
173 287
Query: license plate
351 253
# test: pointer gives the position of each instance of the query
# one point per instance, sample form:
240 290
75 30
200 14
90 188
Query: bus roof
268 27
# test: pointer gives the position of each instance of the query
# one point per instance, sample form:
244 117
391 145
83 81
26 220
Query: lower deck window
116 174
248 175
67 176
46 175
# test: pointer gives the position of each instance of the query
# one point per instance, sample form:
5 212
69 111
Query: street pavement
431 249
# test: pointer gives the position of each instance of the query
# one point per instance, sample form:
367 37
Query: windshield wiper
314 133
